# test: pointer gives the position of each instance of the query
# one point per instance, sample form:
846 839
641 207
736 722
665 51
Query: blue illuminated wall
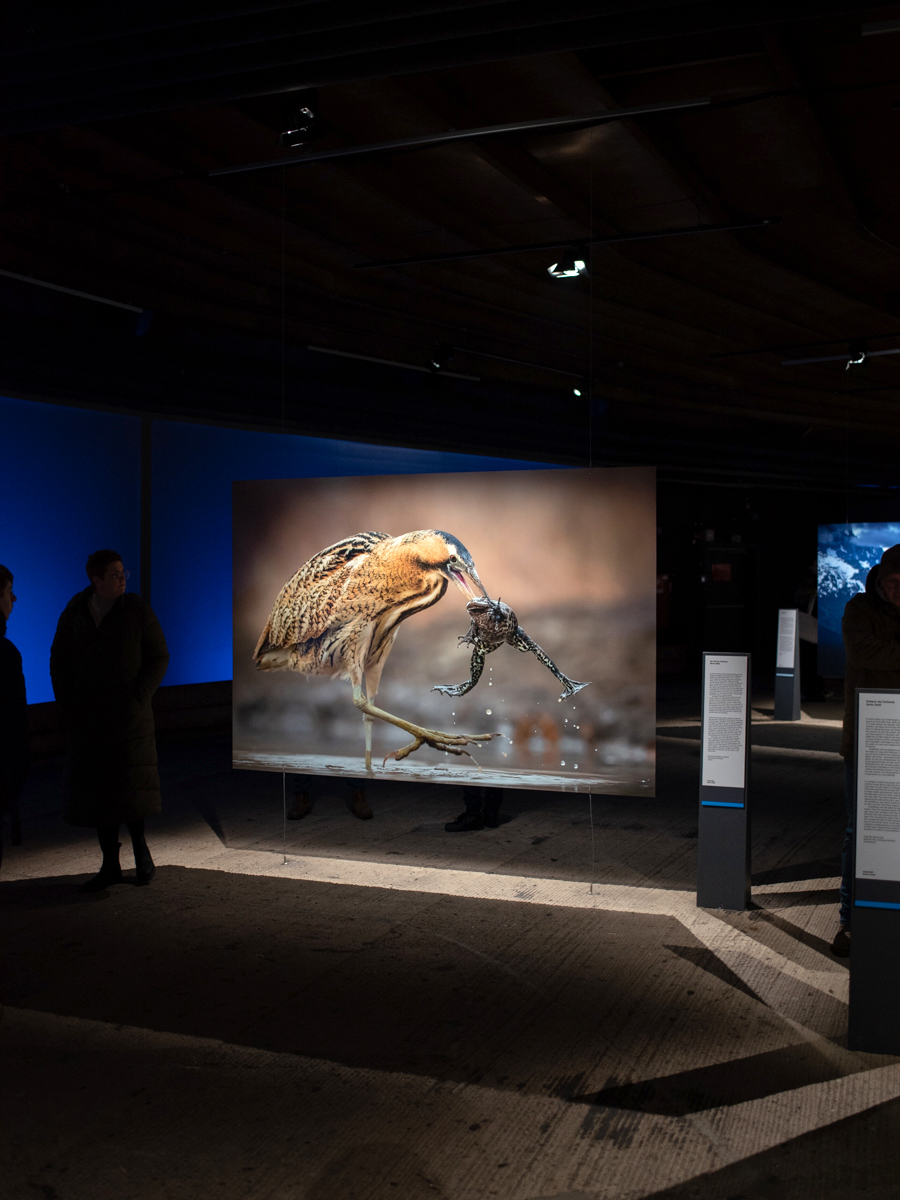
70 485
193 469
846 555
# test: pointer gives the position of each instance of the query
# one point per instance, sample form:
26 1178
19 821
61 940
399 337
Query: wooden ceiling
115 132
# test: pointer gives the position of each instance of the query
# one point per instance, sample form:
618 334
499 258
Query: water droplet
489 711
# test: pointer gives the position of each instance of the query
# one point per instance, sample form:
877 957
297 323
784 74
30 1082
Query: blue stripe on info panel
720 804
875 904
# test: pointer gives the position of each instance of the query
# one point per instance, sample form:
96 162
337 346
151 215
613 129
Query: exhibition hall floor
336 1009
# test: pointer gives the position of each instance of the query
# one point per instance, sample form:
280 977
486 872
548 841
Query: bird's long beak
467 581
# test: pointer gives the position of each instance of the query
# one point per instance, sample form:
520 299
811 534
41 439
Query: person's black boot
841 944
301 807
145 867
491 808
471 819
110 872
359 805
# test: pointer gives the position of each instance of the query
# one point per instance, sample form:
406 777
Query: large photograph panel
567 562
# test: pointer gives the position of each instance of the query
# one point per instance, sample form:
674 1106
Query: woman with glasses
108 658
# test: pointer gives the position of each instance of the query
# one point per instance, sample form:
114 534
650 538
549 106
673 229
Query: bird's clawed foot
450 743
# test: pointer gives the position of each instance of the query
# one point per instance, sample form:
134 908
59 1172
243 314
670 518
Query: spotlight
582 387
857 355
441 355
299 120
568 268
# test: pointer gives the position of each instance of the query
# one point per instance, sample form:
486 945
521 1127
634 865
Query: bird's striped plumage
339 613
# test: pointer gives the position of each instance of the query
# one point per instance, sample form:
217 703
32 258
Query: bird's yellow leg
451 743
368 722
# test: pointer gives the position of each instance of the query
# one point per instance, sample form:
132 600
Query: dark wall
768 537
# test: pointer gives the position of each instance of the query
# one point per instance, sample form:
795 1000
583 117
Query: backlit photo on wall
847 553
494 628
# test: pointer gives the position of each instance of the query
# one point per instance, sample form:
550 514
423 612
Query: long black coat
104 678
13 721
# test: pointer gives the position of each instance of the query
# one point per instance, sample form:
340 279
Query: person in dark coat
108 658
871 632
13 715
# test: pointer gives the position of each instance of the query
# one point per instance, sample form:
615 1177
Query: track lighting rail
547 124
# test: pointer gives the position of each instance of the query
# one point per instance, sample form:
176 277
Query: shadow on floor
844 1159
722 1084
63 891
469 990
820 868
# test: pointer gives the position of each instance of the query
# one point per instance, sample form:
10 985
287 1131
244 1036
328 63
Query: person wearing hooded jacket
13 716
108 658
871 632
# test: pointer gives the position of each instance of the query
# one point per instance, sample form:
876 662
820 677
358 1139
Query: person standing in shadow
13 717
108 658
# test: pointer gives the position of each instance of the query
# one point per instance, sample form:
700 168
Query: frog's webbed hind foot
459 689
571 686
523 642
453 689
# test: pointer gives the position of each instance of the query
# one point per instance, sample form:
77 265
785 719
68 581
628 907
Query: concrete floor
334 1009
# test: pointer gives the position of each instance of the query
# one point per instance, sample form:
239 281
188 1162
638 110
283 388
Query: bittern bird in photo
339 615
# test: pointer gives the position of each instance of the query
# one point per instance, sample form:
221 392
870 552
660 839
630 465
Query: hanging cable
593 855
590 404
590 375
283 388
